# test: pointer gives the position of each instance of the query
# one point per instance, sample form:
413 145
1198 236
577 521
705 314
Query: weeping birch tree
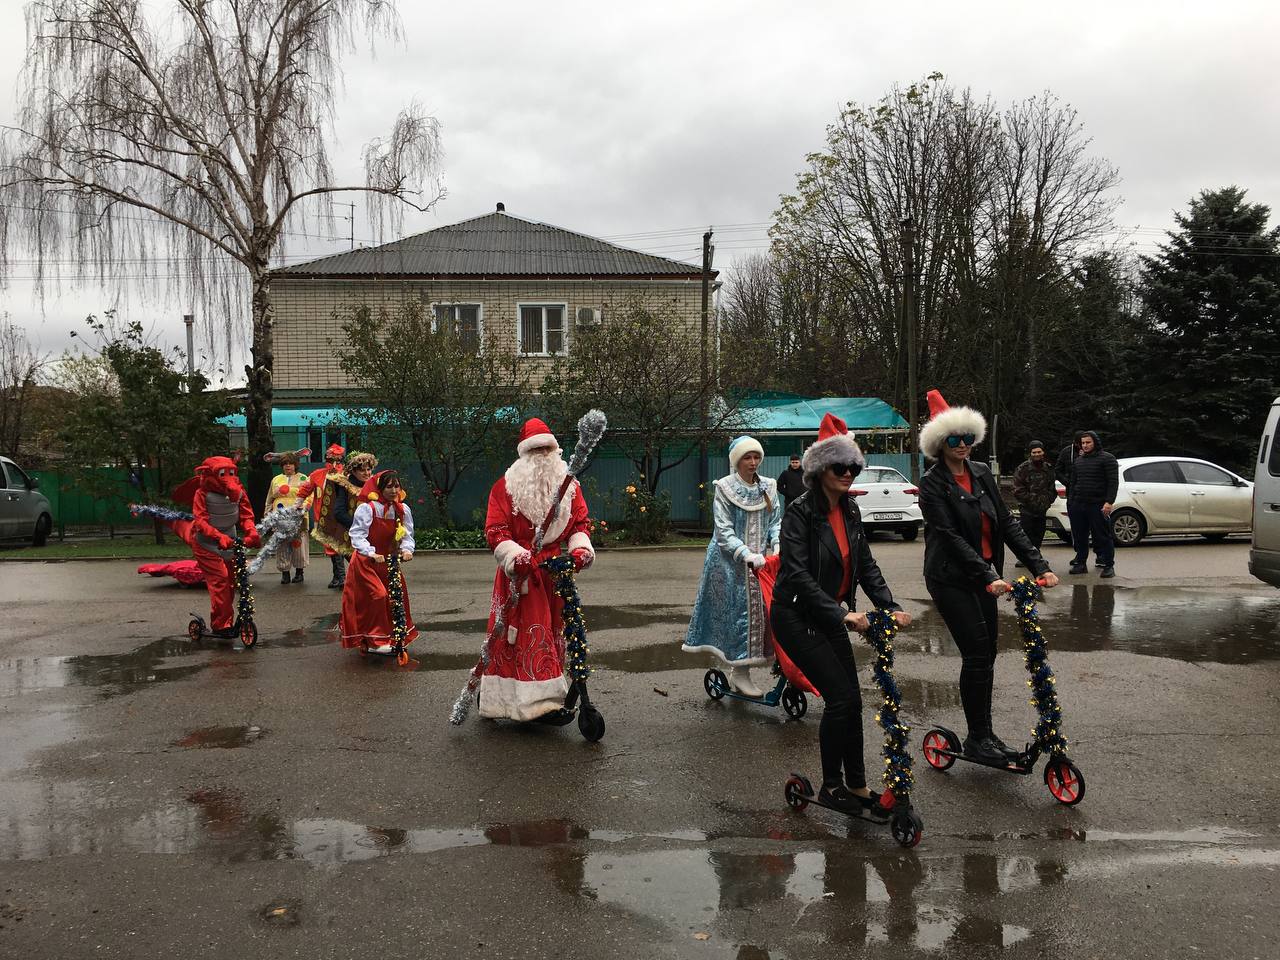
179 143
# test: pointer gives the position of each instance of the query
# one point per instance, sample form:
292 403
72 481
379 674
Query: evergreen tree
1211 310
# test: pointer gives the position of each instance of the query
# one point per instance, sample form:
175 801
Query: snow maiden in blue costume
729 618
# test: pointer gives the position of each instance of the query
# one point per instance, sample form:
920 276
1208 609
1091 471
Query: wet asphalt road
159 799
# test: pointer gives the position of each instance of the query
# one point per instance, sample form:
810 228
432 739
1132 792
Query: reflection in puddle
225 738
1174 622
626 617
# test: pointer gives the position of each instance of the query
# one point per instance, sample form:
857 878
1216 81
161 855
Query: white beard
532 482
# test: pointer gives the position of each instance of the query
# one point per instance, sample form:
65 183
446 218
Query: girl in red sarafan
382 524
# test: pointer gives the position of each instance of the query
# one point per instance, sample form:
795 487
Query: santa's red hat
535 433
834 445
945 420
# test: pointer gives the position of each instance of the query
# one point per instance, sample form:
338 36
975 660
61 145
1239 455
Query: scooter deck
1022 765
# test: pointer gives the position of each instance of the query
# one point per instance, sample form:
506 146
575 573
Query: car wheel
911 532
43 525
1129 527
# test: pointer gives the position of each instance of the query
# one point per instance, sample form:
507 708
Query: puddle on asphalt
225 738
1179 623
627 617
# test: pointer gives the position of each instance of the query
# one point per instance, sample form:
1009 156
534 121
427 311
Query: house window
542 329
463 318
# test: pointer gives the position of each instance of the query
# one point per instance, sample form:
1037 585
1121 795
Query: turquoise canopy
781 414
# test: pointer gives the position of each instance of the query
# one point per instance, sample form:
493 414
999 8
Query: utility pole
909 324
190 321
703 466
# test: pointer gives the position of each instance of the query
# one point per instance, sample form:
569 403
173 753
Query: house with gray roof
526 285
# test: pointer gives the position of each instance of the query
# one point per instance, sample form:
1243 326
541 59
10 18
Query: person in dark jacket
1091 491
1062 466
1035 491
791 482
966 528
825 555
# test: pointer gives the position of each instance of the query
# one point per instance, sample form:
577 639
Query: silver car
24 511
1172 495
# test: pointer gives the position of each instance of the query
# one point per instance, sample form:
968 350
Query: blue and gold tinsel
395 593
1048 734
575 627
244 608
881 629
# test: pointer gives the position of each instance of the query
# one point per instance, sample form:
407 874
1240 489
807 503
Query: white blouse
363 520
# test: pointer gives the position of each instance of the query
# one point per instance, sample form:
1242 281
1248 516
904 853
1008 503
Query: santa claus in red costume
525 677
220 511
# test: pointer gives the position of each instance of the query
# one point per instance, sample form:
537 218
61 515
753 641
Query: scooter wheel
907 827
935 741
591 724
794 702
715 683
248 634
1065 781
195 630
797 791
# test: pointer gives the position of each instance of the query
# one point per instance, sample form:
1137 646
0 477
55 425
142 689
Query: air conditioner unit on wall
587 316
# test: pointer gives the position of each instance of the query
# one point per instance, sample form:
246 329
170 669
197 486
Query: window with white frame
542 329
464 319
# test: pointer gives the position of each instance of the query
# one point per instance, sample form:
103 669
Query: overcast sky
647 124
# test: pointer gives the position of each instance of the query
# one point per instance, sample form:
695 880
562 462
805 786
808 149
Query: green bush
648 515
445 538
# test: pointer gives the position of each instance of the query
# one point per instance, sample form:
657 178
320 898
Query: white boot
740 682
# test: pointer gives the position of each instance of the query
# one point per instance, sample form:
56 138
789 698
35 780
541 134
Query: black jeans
826 660
1088 522
970 616
1033 525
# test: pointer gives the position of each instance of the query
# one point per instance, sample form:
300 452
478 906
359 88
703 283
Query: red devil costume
378 528
525 677
221 511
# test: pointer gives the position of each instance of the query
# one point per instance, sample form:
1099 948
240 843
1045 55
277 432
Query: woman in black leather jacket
966 528
824 556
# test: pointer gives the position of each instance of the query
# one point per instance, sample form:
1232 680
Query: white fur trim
506 553
535 441
521 699
580 541
741 448
956 420
838 449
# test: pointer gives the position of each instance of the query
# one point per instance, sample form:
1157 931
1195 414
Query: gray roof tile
493 245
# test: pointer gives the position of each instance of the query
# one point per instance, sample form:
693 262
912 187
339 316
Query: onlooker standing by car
1062 466
1091 491
791 482
1034 489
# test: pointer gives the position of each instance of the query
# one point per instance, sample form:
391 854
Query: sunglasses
840 469
956 439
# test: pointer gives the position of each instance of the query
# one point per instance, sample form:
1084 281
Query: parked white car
888 501
1264 558
24 510
1172 495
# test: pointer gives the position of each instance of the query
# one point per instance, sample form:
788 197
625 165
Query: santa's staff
517 559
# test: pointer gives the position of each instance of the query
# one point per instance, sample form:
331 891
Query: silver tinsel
283 525
590 429
157 512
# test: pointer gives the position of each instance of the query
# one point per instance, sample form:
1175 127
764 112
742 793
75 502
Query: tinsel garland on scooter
881 629
575 626
1044 695
395 592
244 601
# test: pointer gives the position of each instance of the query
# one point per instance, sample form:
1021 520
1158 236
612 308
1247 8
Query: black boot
297 576
284 576
984 747
339 571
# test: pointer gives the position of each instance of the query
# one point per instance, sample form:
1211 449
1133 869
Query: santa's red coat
525 676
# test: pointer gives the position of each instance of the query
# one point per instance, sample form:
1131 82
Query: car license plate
886 516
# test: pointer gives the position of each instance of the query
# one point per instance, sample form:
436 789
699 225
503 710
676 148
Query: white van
1264 558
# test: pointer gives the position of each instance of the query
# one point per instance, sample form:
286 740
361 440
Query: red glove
581 558
283 490
253 539
225 542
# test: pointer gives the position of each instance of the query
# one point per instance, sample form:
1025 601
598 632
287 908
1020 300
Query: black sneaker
1004 747
1078 568
846 801
556 718
985 749
335 584
1108 572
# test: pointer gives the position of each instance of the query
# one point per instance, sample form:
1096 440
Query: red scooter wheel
935 741
248 634
798 790
1065 781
